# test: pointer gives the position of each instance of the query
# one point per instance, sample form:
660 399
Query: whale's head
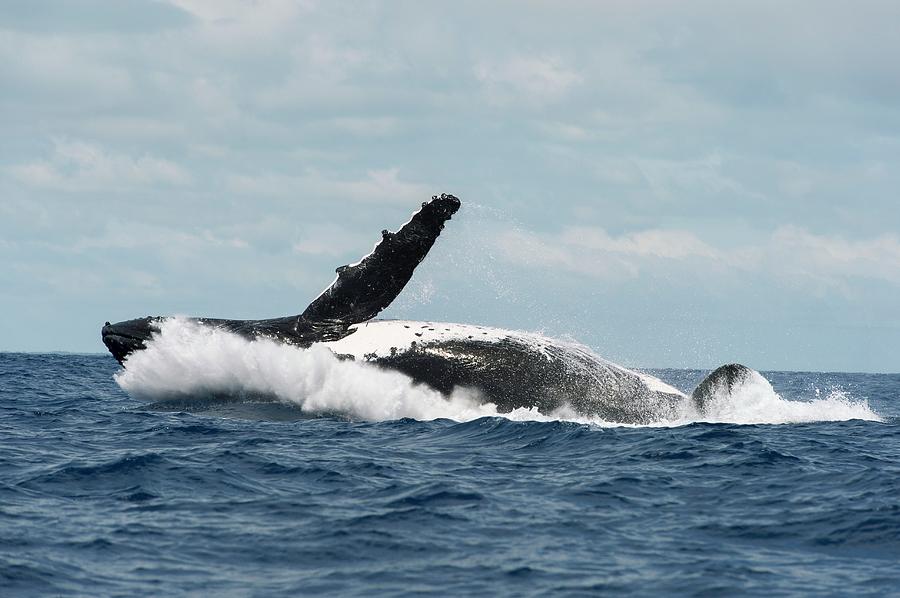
124 338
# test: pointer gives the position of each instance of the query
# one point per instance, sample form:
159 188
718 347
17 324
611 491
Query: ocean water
280 473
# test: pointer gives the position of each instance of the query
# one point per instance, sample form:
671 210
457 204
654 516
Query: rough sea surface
105 494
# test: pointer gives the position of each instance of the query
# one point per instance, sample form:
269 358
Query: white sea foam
188 361
755 402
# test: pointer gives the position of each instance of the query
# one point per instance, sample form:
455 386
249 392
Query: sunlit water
233 469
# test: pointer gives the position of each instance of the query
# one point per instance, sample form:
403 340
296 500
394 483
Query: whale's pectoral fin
722 383
363 289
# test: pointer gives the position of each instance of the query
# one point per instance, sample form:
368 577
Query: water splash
187 361
754 401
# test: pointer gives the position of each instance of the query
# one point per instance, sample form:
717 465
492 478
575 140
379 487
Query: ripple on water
101 496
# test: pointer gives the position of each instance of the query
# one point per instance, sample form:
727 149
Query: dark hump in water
513 374
721 381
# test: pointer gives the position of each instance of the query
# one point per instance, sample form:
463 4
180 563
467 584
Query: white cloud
330 240
670 244
532 79
257 16
72 280
130 235
383 185
791 255
131 128
77 66
670 179
266 119
334 74
217 104
830 261
543 251
565 131
366 126
82 166
378 186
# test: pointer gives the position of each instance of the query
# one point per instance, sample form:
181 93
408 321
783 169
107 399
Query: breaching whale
507 368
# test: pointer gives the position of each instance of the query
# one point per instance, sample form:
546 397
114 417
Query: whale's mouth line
118 336
121 344
123 337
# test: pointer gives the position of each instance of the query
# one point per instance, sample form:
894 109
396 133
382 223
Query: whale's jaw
124 338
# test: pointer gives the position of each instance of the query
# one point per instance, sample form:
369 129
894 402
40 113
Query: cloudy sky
672 183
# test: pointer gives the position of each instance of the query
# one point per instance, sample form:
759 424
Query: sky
674 184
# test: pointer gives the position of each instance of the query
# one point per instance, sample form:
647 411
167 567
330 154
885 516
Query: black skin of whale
508 373
358 293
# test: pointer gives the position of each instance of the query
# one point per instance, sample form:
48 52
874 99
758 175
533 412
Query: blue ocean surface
104 494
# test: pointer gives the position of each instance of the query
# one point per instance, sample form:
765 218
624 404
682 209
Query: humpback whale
510 369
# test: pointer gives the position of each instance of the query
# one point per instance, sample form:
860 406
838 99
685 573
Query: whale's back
511 369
